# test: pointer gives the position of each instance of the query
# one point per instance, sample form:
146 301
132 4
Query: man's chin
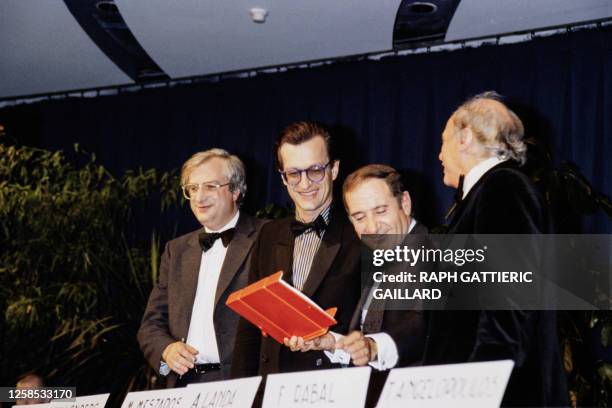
204 220
449 181
381 241
308 205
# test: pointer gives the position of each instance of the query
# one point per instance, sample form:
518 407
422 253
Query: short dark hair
300 132
375 171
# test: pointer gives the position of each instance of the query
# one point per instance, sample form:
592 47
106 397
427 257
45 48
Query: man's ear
406 203
466 138
236 195
335 169
283 180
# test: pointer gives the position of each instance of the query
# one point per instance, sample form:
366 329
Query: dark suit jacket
168 313
503 201
333 281
406 327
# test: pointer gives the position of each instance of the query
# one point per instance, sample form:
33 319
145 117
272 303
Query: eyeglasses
191 190
314 173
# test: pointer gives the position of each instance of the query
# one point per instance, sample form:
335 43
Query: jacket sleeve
154 333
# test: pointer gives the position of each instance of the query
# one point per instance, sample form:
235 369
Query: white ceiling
43 49
485 18
194 37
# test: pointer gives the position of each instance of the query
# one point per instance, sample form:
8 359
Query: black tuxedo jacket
407 328
168 313
503 201
333 281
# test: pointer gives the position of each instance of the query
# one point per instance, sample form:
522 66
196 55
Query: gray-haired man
187 331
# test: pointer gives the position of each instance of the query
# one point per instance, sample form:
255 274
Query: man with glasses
187 331
380 210
317 250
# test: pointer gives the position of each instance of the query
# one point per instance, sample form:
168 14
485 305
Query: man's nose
371 226
304 181
200 195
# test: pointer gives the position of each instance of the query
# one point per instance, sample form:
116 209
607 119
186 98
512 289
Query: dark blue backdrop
390 111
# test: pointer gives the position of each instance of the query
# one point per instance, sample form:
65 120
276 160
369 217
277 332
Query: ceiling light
258 15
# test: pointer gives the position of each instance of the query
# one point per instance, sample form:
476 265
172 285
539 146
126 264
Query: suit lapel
190 269
356 319
330 245
374 318
456 212
236 254
283 253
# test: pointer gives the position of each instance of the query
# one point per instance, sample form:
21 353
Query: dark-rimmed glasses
314 173
191 189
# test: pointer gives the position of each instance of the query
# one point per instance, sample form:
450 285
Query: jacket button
319 362
264 359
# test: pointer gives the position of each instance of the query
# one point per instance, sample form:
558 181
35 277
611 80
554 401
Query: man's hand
179 356
324 342
362 349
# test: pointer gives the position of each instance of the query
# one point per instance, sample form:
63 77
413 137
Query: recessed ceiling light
107 6
422 8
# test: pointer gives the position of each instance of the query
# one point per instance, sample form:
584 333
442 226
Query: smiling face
310 198
212 209
373 209
450 155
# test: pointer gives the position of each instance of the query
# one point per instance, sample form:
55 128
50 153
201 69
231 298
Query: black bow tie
318 225
207 239
458 198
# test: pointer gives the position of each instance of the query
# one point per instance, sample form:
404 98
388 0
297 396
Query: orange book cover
280 310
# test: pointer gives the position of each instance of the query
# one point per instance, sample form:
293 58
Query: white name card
342 387
88 401
473 385
168 398
225 394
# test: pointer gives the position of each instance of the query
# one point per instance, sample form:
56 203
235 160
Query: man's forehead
368 195
212 169
306 154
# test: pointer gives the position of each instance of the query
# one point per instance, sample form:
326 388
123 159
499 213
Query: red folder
280 310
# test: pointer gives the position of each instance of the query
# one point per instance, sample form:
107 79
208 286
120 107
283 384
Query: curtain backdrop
389 111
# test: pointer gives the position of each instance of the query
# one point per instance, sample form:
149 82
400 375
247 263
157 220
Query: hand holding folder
280 310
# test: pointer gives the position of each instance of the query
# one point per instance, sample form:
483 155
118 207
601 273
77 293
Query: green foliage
273 211
74 275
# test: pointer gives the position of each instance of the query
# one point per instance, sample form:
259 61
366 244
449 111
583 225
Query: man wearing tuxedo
187 332
377 205
316 249
482 151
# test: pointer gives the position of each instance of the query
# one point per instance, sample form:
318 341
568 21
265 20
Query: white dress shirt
387 355
201 334
477 172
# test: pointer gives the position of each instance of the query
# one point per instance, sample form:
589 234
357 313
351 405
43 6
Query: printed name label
346 387
473 385
225 394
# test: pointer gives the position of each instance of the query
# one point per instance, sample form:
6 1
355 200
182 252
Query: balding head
30 382
481 128
495 127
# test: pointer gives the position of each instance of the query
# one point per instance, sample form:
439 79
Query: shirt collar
477 172
413 223
231 224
